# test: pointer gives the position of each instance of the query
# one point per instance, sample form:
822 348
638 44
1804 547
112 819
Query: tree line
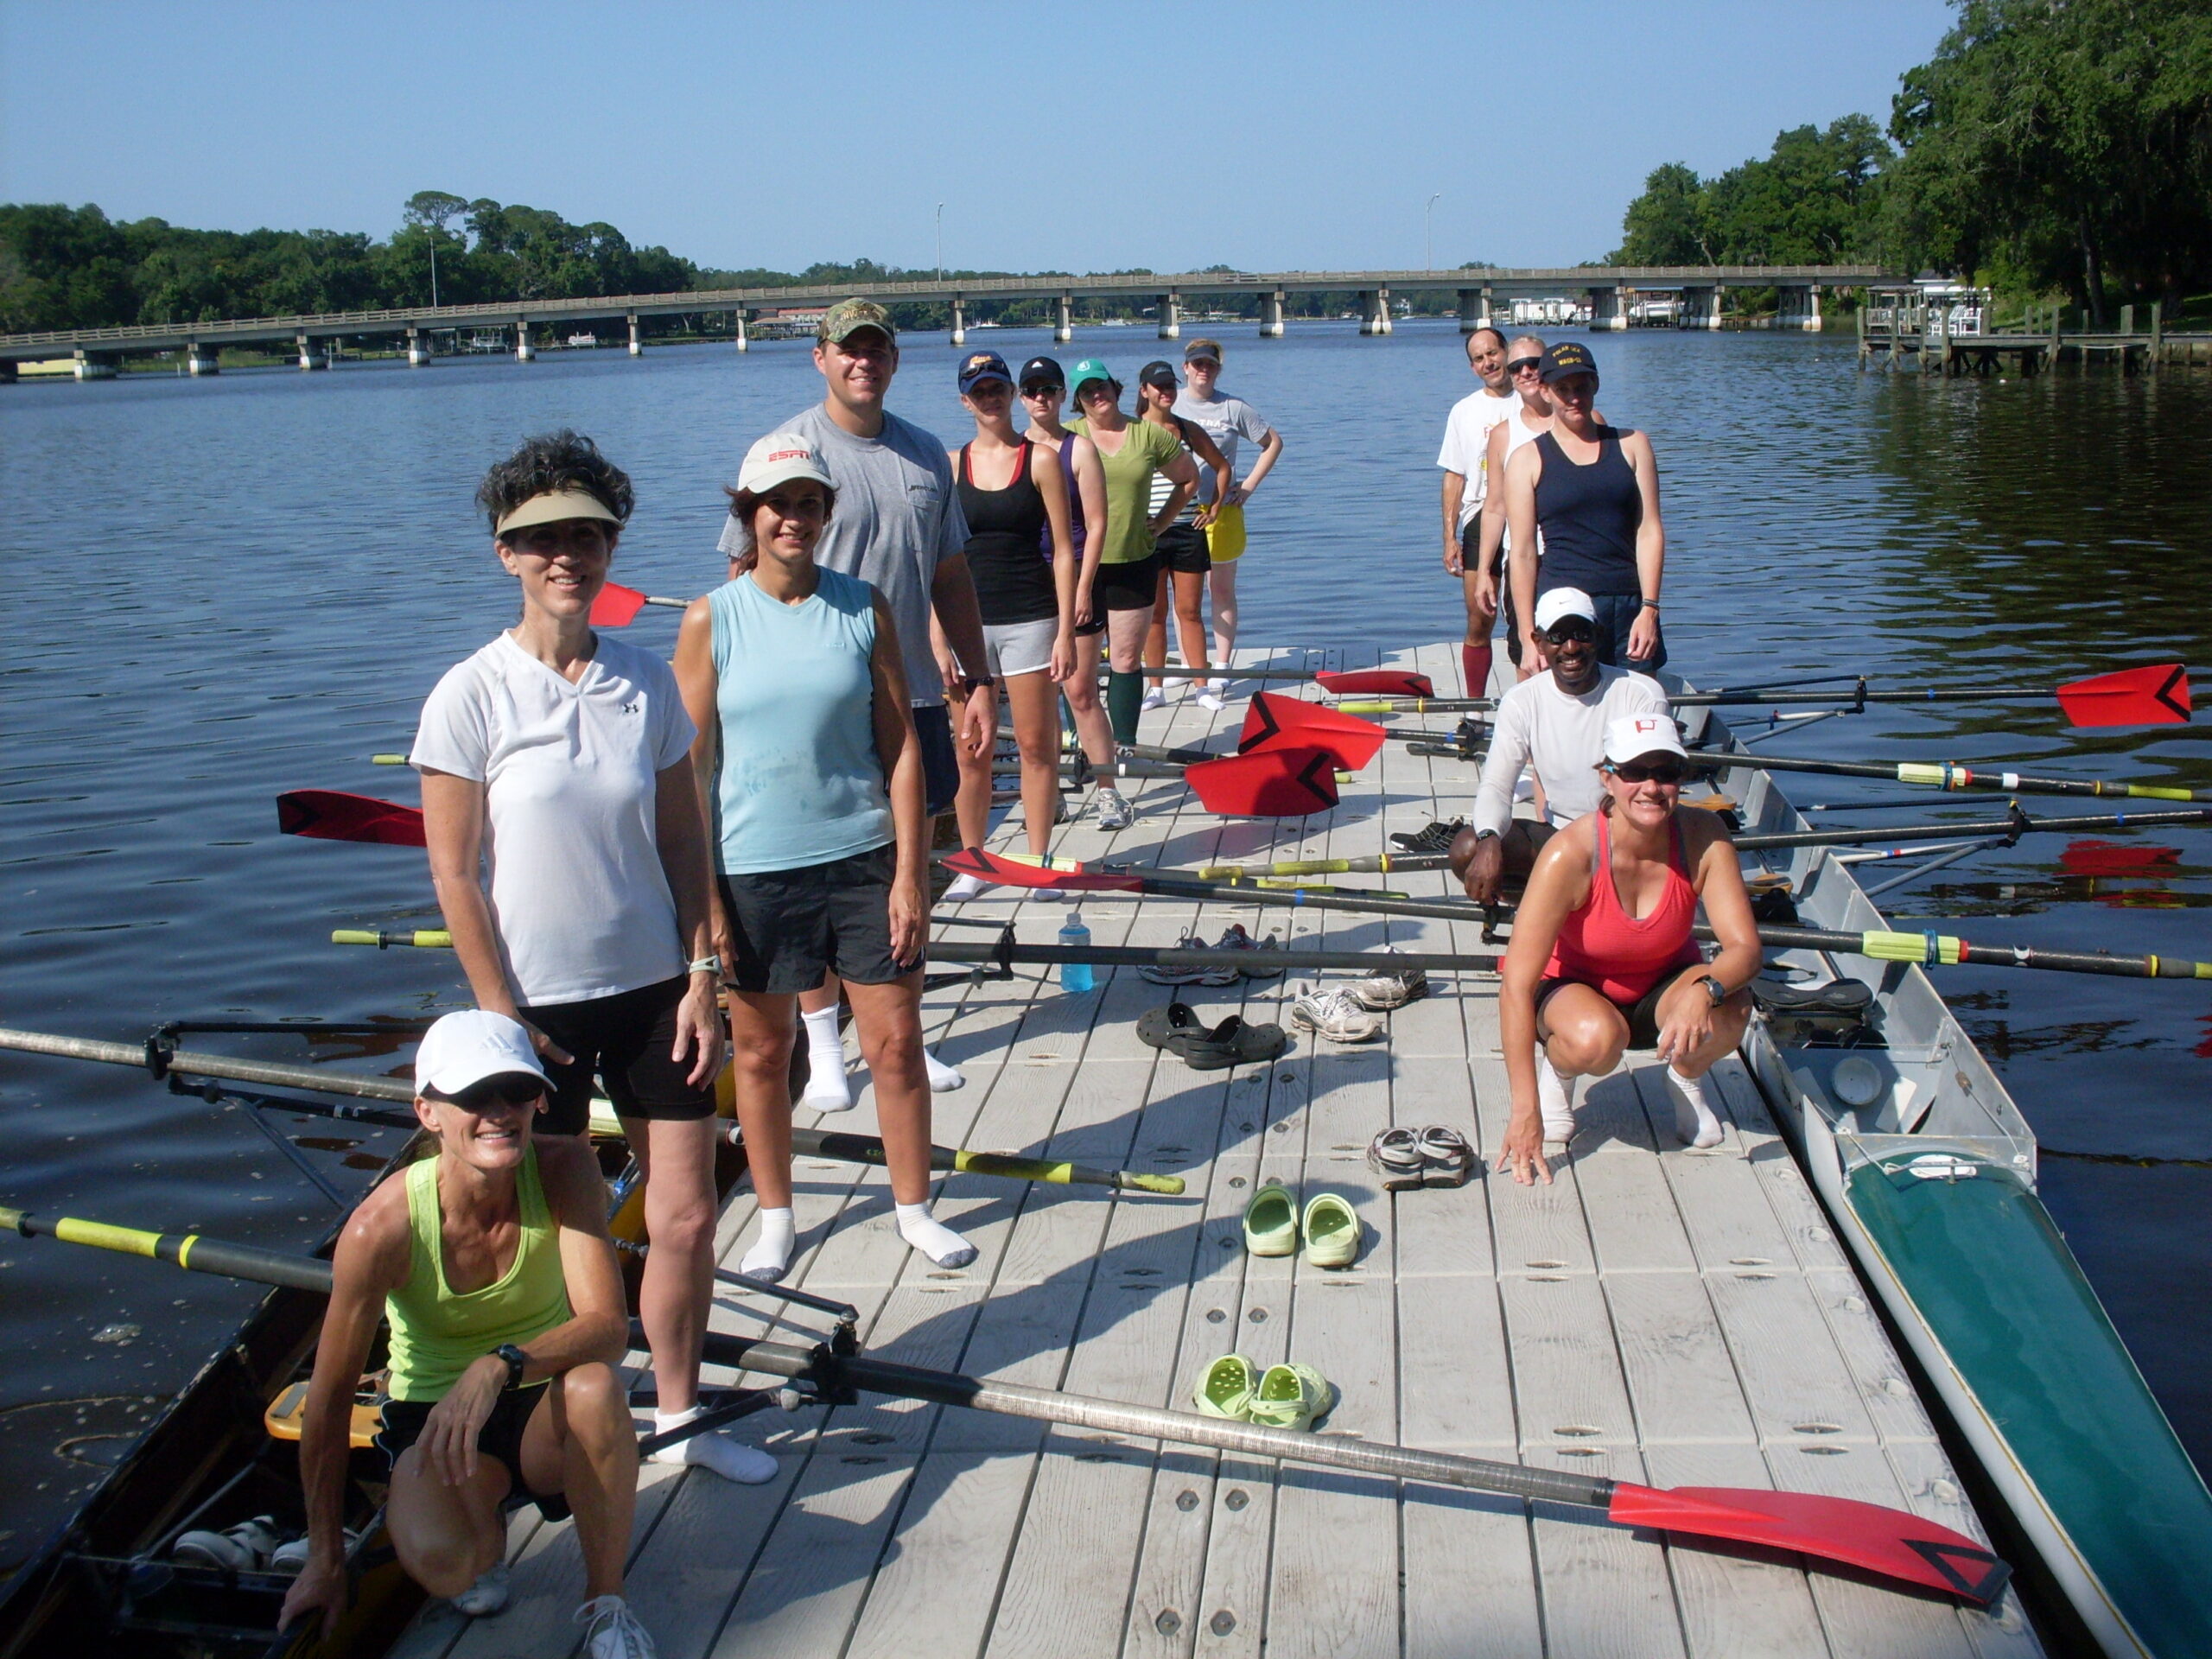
2048 148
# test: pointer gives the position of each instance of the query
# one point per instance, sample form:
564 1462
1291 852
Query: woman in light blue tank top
807 753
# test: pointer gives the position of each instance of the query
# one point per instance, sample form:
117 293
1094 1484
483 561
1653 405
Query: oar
820 1143
1374 864
617 606
1274 721
1285 783
184 1250
1889 1542
2156 694
1882 946
335 815
1945 774
1342 682
2017 823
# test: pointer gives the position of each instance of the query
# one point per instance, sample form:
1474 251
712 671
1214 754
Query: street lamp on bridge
1429 213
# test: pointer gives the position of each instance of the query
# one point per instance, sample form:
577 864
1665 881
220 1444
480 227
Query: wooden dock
1660 1315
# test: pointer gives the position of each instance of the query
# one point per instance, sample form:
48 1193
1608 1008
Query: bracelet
705 965
1650 604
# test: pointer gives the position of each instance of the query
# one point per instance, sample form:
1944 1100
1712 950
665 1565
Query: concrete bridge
1609 291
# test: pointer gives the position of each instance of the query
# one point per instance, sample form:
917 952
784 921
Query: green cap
1091 368
847 316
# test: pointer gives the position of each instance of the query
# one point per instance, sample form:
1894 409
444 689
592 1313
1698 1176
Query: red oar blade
1275 721
1013 872
1893 1543
2156 694
1375 682
2114 858
617 606
332 815
1287 783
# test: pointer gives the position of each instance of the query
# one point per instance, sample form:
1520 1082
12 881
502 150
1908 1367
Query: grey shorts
789 928
1021 647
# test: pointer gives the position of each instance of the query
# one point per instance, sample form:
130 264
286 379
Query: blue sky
1058 135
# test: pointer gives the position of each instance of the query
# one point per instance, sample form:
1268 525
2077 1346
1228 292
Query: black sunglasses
1666 773
513 1089
1573 627
1521 364
1042 388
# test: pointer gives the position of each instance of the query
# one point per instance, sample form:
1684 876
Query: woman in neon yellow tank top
492 1262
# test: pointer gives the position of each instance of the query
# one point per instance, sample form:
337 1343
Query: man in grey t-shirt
1230 423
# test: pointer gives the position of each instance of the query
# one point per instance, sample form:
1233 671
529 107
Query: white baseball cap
1563 601
778 459
1638 734
463 1049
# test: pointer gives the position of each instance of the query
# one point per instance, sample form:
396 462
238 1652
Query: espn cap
1632 736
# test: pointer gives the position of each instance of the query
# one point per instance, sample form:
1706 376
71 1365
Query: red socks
1474 668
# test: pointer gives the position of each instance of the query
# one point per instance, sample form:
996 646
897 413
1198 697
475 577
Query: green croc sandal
1271 1221
1226 1389
1331 1232
1292 1396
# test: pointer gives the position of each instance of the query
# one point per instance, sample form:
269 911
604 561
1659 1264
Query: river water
225 589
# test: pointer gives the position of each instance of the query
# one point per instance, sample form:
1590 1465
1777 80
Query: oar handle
187 1250
418 938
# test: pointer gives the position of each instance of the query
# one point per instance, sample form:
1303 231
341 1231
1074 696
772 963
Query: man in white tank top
1466 437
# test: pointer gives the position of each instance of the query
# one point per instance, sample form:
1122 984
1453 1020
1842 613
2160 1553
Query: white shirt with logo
1466 445
579 900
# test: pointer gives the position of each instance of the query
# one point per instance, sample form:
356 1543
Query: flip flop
1159 1028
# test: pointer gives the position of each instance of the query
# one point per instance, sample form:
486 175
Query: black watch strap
1715 990
516 1361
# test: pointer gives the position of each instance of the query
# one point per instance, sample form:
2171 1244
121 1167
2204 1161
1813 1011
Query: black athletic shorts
788 928
940 760
1131 587
1470 545
624 1040
500 1437
1642 1013
1182 546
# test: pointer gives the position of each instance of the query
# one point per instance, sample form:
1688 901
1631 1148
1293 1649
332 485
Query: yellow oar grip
354 935
128 1240
387 759
1909 947
2157 792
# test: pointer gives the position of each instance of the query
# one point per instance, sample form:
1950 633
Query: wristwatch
1715 990
1485 834
968 688
517 1361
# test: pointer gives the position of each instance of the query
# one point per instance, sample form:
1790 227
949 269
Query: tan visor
555 506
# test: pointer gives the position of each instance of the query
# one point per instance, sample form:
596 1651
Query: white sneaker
963 887
243 1548
1115 811
488 1596
1153 699
1391 990
1331 1012
1555 1098
611 1630
1211 699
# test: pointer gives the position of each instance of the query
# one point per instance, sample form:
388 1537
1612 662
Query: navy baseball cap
979 366
1158 372
1568 357
1043 370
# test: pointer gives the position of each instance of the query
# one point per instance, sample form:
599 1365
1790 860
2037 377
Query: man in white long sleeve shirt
1555 722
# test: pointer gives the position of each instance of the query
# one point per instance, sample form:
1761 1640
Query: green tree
1666 225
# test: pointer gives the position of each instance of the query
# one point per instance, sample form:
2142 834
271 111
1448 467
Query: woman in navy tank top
1587 495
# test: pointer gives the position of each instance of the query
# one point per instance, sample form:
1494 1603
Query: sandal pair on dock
1282 1396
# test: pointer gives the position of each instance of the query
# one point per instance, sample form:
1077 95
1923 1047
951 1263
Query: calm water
227 588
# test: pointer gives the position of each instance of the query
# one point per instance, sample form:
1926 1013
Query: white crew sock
827 1090
933 1237
943 1078
1701 1129
770 1258
1555 1098
731 1459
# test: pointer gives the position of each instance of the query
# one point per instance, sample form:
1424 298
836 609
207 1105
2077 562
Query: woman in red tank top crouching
1602 961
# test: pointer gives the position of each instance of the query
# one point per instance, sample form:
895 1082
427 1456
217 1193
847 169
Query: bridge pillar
1064 327
311 358
1271 315
1609 309
524 351
959 321
1701 308
1814 322
1474 309
744 339
418 349
93 365
1171 316
1374 311
202 359
7 371
637 341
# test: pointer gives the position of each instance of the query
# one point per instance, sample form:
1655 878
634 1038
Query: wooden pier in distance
1660 1315
1898 330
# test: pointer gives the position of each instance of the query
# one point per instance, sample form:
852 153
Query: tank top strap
422 1224
1021 465
967 472
1677 851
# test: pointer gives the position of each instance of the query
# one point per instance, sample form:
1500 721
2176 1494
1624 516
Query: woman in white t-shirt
570 862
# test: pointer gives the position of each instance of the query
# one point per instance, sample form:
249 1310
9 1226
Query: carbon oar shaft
2020 823
186 1250
1717 699
1945 774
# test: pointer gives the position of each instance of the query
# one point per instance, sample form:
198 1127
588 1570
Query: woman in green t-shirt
1129 569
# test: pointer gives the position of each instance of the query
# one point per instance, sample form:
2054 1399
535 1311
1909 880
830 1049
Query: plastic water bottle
1075 977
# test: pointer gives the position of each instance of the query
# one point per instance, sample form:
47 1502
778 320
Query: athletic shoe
1331 1012
962 887
243 1548
1437 838
488 1596
611 1630
290 1558
1555 1098
1183 973
1153 699
1389 990
1266 961
1210 699
1115 811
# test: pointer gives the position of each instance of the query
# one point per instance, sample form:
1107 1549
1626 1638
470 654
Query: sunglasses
516 1089
1666 773
1524 365
1572 629
1042 389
